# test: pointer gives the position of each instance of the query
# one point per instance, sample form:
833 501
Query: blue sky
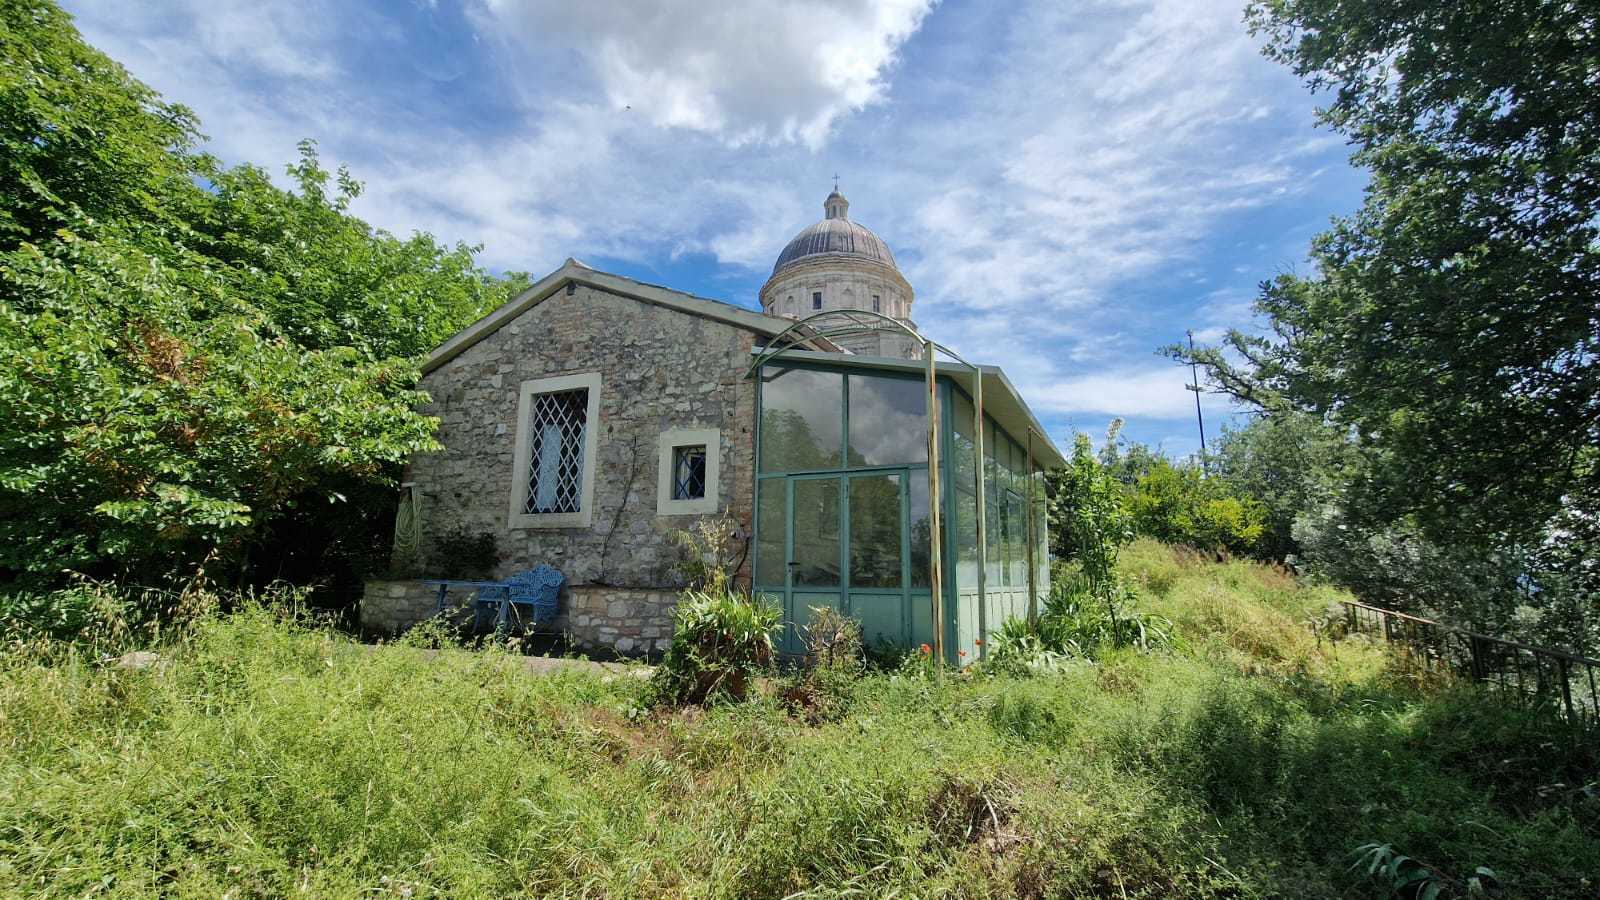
1068 186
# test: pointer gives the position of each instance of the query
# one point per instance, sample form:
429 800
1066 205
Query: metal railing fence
1532 675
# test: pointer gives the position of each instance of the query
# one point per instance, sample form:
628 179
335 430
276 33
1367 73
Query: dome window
877 306
816 299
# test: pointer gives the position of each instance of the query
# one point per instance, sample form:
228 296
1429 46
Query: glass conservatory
843 517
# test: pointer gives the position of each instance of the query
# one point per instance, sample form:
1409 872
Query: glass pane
689 473
921 529
888 421
801 419
875 531
816 532
1017 543
961 457
771 532
966 536
995 532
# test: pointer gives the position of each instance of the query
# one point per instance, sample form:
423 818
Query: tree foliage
196 355
1288 463
1453 322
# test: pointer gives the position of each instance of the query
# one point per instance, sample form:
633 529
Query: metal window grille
555 458
688 472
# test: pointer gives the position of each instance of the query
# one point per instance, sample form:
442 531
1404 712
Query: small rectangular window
689 472
687 475
816 300
876 306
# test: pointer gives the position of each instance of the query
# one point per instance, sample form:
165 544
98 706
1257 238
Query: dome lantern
836 206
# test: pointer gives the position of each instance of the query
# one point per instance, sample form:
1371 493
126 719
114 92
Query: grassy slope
269 758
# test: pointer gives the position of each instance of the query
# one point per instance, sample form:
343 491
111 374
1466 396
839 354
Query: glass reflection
875 531
801 419
921 530
816 532
888 421
770 533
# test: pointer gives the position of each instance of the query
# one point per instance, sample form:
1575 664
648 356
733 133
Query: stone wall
629 621
661 369
391 607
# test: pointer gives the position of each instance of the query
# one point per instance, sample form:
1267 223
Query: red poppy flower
977 643
961 653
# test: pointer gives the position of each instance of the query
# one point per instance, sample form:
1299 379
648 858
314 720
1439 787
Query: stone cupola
837 263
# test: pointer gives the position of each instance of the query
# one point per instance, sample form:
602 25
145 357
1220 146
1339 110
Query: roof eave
578 273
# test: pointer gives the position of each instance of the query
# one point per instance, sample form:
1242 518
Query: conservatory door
815 552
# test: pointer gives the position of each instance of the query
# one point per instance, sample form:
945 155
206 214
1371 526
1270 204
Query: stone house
592 416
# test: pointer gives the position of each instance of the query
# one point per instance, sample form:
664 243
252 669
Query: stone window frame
591 439
672 439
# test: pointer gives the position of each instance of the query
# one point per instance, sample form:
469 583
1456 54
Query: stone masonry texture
661 369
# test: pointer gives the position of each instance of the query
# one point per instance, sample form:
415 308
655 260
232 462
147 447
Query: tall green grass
269 757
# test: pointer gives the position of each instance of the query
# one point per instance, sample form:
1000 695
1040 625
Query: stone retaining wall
391 607
629 621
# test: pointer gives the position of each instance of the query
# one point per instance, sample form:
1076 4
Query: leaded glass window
555 460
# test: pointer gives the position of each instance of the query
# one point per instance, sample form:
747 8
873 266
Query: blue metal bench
537 589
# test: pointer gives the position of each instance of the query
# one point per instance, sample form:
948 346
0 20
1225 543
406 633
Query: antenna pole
1194 374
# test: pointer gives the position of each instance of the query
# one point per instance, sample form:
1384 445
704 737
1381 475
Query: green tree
1090 505
1180 505
1453 323
1291 464
198 360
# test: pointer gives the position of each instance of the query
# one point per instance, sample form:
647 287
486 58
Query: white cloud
748 72
1157 392
1035 168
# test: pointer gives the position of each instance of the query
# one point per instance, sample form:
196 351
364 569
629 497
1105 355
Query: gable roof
578 273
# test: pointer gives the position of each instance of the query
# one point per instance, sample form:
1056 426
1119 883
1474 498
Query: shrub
835 661
708 552
1181 506
721 640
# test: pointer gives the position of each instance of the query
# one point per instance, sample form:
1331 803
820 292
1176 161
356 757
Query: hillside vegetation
264 757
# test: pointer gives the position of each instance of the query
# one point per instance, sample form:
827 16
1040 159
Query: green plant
835 660
204 366
708 550
1016 649
721 640
1179 505
832 640
1416 880
272 756
1072 621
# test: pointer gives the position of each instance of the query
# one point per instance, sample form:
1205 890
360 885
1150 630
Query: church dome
835 235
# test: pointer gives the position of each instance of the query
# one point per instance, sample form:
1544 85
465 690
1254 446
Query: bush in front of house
721 640
835 661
